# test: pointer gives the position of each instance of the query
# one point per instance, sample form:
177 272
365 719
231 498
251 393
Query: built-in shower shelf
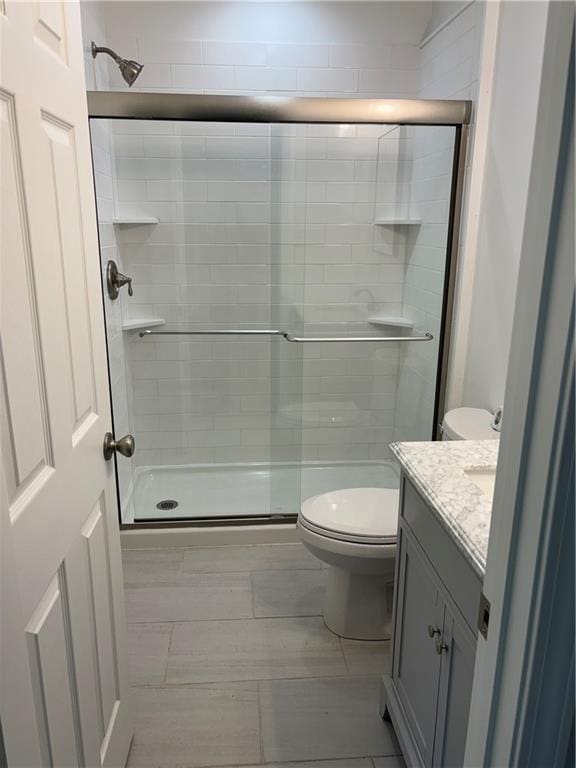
392 322
134 323
125 221
399 222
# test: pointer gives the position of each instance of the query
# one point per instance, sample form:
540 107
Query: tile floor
232 665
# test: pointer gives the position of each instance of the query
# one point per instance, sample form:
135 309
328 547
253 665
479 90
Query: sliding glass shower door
275 315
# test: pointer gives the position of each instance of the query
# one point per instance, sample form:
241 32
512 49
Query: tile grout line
252 597
260 729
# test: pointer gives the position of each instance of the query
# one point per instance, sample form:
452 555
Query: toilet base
358 606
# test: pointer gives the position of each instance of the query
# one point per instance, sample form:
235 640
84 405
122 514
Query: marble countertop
437 470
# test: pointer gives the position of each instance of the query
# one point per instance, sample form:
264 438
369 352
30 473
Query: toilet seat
356 515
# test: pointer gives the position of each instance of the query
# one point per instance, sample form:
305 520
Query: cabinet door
456 673
416 669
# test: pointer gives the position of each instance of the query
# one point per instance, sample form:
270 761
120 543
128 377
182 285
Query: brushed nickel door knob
441 647
125 445
433 631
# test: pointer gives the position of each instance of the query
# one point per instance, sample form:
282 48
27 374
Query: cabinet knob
433 631
441 647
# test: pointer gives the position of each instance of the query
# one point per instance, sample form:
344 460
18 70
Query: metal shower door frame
450 113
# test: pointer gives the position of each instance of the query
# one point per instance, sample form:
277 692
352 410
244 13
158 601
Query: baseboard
391 704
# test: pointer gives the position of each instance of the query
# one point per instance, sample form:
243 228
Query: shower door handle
125 445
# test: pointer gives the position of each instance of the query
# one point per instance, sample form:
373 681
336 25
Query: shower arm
288 336
103 49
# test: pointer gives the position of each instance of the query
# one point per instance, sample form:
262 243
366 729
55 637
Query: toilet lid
354 514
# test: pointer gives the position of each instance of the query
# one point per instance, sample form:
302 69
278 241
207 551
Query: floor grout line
258 681
260 729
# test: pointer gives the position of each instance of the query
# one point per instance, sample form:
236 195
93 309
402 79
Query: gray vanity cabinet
427 696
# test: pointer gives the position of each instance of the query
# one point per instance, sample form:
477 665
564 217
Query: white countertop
437 471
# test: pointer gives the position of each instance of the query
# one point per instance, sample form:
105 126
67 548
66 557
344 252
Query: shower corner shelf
397 222
125 221
135 323
392 322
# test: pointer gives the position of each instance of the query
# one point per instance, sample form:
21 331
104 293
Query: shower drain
167 504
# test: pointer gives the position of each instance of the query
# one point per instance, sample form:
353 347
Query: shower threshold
239 491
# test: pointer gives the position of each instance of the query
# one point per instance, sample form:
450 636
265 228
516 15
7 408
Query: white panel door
64 692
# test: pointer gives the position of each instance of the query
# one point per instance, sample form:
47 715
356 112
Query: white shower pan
213 491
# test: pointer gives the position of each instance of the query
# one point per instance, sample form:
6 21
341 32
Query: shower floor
248 490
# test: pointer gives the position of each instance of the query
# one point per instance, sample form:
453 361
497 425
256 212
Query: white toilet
353 530
470 424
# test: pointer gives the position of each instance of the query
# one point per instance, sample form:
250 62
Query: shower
129 69
291 294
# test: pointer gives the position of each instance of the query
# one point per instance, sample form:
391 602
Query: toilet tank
468 424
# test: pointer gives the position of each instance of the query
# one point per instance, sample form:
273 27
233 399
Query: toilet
353 531
471 424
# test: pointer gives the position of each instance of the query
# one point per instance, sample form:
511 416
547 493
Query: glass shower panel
425 162
186 212
376 213
235 234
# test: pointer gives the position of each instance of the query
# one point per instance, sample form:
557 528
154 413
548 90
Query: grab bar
288 336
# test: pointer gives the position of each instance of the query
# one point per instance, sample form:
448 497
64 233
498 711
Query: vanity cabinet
427 695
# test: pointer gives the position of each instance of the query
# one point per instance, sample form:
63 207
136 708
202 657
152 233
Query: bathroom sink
483 479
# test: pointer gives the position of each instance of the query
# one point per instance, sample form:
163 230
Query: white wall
326 47
506 167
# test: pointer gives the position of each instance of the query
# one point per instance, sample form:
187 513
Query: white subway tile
173 190
405 56
385 80
253 191
266 79
289 55
249 53
359 56
174 146
165 51
202 77
236 148
339 80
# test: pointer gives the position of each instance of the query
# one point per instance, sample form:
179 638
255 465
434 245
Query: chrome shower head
129 69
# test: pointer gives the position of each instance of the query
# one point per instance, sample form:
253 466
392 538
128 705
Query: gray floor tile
208 596
323 718
148 652
195 726
259 557
367 657
150 566
288 593
389 762
255 649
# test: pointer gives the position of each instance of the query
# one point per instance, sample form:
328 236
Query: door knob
433 631
115 280
441 647
125 445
